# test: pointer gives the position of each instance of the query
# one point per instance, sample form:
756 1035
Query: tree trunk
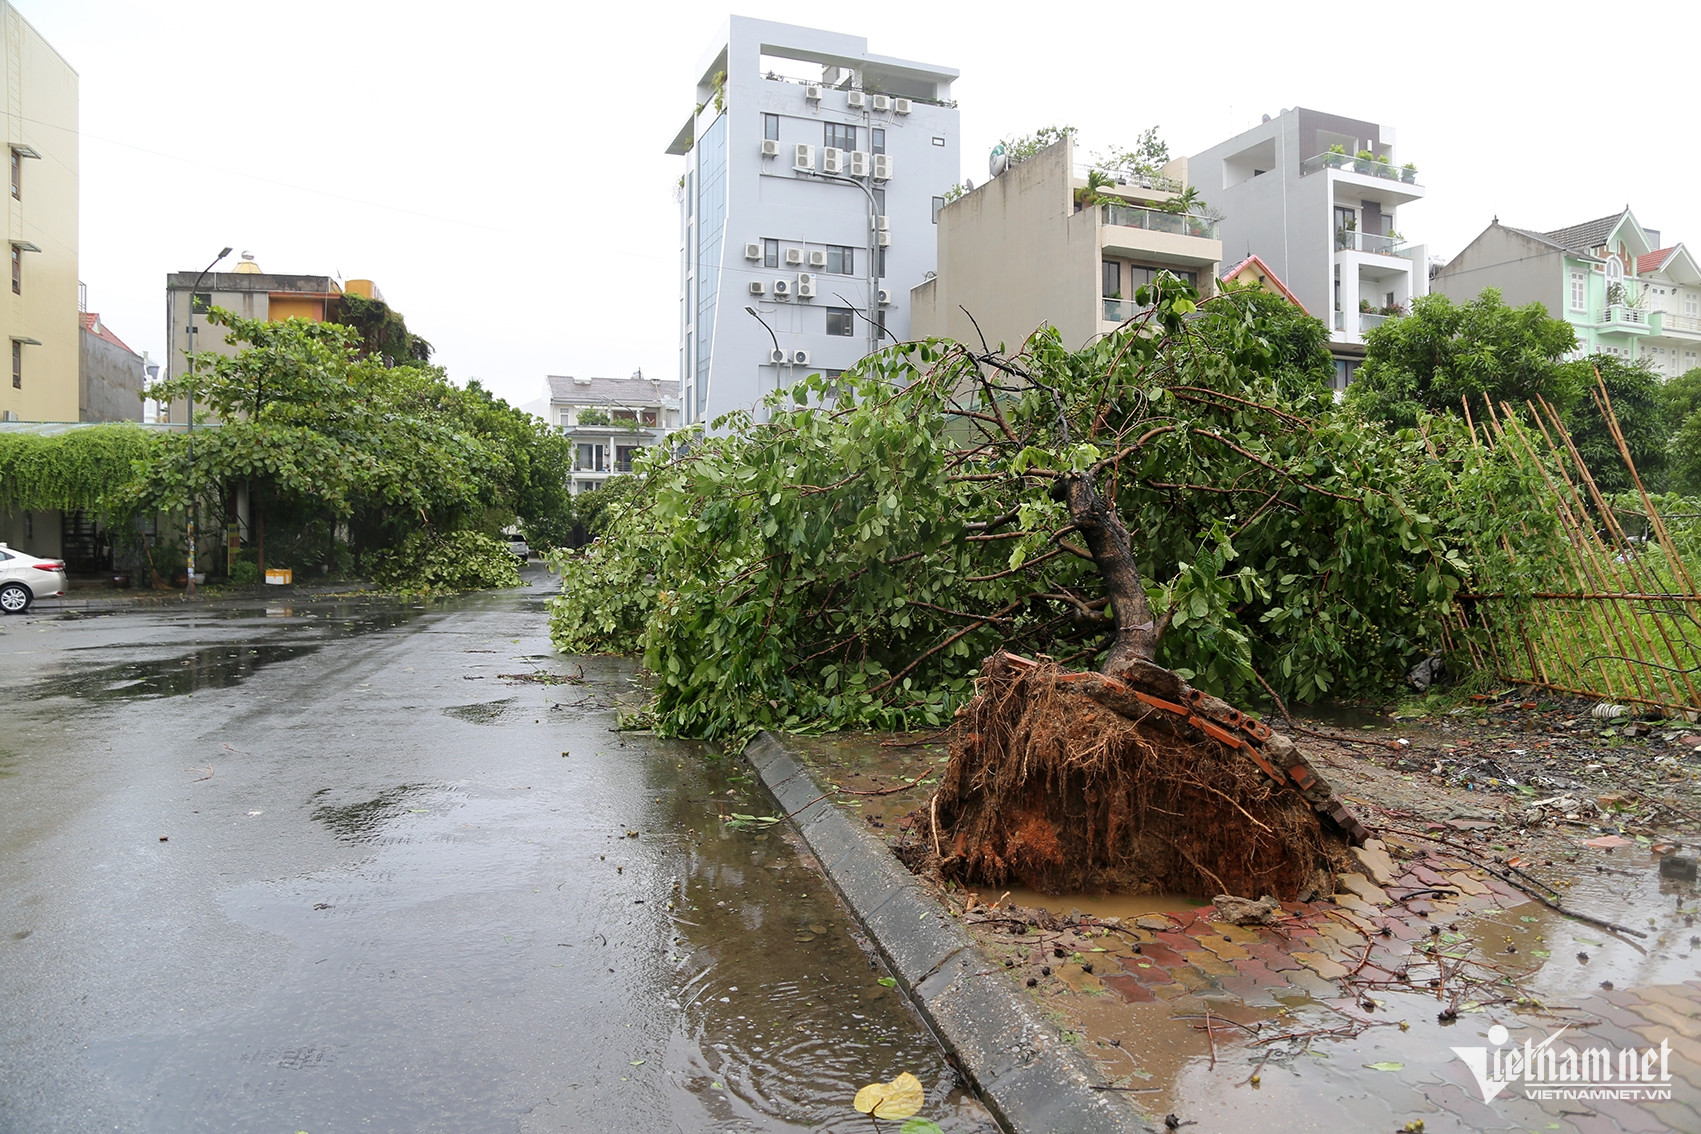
255 504
1137 633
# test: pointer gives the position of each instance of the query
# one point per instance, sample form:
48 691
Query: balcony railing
1369 321
1156 182
1383 169
1156 220
1351 240
1689 323
1631 316
1122 310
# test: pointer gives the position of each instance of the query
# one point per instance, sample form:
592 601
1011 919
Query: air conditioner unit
757 287
882 239
882 102
858 163
882 223
804 156
882 167
794 256
900 106
885 298
752 251
818 259
832 161
800 358
812 91
782 289
856 100
805 285
777 357
770 147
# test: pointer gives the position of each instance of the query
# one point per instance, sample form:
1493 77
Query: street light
873 250
189 333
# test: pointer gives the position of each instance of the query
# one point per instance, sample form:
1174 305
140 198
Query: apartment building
40 313
1321 199
609 420
1623 293
814 172
1034 245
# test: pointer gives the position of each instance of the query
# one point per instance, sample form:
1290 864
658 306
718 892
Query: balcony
1122 310
1625 318
1684 324
1123 178
1368 321
1351 240
1386 170
1156 220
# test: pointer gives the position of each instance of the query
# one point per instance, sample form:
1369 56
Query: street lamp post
189 333
872 250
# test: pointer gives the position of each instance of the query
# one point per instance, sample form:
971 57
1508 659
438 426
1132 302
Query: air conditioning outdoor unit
804 156
832 161
757 287
882 223
782 289
818 259
900 106
777 357
752 251
885 297
882 239
770 147
794 256
812 91
805 285
859 163
856 100
882 167
800 358
882 102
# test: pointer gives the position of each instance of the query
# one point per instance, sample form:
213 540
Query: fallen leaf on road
1607 842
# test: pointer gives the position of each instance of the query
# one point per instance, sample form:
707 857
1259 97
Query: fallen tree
1177 506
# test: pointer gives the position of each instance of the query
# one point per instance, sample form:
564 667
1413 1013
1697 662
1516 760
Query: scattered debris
1245 911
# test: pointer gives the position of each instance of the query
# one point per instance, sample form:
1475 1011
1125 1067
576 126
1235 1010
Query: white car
24 578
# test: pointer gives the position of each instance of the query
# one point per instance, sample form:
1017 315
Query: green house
1624 291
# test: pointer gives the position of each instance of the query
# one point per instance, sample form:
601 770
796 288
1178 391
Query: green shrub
459 561
244 572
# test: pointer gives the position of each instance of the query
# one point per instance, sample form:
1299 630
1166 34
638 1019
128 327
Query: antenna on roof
638 373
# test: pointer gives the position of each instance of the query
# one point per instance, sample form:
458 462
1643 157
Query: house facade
1321 200
1623 293
813 172
1081 253
39 314
610 421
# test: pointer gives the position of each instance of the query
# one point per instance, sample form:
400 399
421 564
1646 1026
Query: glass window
770 253
201 302
839 137
938 204
1579 291
17 271
17 365
17 175
880 201
880 269
1111 283
771 127
841 321
841 260
878 144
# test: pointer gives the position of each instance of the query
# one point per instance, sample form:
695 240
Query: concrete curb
1030 1079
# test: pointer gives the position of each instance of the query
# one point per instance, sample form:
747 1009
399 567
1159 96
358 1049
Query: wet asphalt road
321 868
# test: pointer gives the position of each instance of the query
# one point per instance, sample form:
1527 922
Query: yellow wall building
39 310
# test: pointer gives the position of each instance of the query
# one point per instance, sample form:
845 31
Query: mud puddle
204 668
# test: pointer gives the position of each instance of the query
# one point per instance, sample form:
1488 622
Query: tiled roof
619 392
1270 275
1652 261
1540 236
1586 236
93 325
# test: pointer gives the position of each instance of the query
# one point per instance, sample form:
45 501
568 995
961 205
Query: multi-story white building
814 177
609 420
1319 199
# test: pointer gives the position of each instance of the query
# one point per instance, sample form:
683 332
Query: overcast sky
497 167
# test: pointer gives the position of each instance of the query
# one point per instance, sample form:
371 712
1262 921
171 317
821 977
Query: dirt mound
1071 782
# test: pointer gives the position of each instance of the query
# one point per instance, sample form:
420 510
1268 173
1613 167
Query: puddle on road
487 712
209 667
364 821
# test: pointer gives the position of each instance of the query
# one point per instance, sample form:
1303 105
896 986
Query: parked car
522 551
24 578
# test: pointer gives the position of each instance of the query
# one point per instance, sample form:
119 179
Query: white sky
497 167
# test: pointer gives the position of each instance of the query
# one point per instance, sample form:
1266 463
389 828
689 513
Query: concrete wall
41 114
765 198
1525 271
33 533
110 383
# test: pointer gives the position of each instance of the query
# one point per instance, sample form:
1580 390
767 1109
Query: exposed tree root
1070 782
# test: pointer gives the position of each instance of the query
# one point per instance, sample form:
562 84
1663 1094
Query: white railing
1156 220
1122 310
1384 169
1675 322
1634 316
1368 321
1351 240
1156 182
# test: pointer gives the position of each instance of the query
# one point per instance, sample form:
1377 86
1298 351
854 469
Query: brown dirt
1049 787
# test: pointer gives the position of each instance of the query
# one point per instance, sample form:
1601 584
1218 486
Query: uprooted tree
1156 505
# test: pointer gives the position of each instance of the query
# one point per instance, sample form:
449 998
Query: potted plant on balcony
1384 167
1336 158
1089 195
1363 161
1408 173
1365 308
